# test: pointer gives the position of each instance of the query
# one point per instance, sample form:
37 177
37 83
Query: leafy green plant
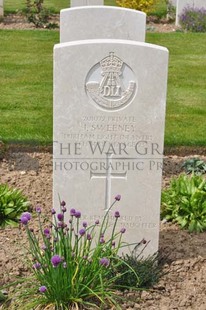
72 263
184 202
38 15
12 204
149 269
159 11
194 165
3 297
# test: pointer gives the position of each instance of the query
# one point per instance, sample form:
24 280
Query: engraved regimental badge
111 83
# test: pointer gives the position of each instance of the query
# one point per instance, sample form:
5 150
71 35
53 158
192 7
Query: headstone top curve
109 41
105 7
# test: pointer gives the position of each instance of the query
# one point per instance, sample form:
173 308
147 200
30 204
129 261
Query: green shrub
184 202
149 270
193 19
159 10
37 14
194 165
12 204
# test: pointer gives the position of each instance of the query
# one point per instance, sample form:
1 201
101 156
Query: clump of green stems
74 264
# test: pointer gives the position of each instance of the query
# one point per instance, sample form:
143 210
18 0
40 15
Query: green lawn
12 6
26 86
186 100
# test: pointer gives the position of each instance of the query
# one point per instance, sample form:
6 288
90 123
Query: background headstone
74 3
1 7
109 112
102 23
181 4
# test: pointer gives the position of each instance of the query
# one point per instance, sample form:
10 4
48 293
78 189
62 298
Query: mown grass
26 86
12 6
186 99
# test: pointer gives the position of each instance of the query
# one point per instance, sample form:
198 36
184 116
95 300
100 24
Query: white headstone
102 23
109 112
74 3
1 7
181 4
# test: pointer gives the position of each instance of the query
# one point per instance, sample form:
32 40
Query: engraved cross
108 176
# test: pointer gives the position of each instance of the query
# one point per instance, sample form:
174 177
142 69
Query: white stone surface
74 3
102 23
181 4
1 7
109 113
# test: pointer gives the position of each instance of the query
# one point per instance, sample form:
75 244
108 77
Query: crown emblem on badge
112 90
111 63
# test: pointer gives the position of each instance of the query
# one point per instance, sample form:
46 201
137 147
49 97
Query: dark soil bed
183 286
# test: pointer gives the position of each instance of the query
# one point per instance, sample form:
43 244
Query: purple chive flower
60 217
24 220
63 203
82 232
104 262
117 197
101 240
53 211
44 247
64 209
42 289
89 237
123 230
56 260
60 225
84 224
37 266
38 209
116 214
97 222
46 231
27 215
72 212
77 214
